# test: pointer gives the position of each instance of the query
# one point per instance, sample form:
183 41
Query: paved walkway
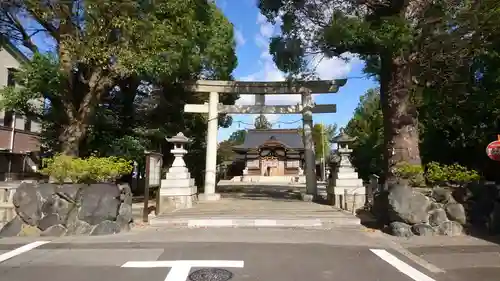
262 207
462 258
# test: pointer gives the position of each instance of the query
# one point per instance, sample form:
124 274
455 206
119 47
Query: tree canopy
404 44
261 123
113 81
368 128
100 44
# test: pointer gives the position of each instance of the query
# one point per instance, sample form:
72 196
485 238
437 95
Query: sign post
154 163
493 149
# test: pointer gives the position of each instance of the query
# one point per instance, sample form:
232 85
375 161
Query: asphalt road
152 255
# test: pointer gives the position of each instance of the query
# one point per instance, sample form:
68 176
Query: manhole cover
211 274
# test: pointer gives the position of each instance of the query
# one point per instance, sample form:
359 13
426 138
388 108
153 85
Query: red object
493 150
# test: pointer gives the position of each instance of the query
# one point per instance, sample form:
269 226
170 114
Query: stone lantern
178 166
177 189
343 140
348 191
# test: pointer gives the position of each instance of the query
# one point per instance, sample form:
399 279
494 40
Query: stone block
12 228
349 182
172 183
347 175
106 228
209 197
100 202
28 203
185 175
54 231
177 202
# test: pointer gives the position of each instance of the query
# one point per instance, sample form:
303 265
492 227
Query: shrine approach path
262 206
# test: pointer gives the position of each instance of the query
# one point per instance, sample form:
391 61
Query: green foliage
85 170
322 137
39 78
367 126
225 151
238 137
261 123
109 58
413 173
453 174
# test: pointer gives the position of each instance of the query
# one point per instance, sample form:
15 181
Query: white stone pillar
211 154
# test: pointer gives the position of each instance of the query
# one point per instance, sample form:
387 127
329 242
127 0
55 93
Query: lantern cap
343 137
179 138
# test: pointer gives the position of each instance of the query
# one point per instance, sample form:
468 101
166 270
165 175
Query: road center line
401 266
22 249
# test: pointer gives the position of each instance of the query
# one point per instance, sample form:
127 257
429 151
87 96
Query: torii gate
260 89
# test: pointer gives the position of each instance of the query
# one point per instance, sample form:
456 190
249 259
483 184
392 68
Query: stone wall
406 212
70 209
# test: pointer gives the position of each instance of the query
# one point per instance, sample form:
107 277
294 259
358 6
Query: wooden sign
154 169
153 179
493 150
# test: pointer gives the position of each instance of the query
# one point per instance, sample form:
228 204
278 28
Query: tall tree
261 123
100 43
368 128
238 137
322 137
387 33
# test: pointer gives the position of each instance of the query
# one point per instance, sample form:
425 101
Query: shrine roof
291 138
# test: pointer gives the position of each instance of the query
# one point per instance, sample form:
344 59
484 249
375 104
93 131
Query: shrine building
271 155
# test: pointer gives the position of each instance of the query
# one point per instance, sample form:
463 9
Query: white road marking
20 250
180 269
401 266
263 222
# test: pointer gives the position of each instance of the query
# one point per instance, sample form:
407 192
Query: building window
27 124
8 118
10 77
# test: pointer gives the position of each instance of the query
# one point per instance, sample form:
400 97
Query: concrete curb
256 223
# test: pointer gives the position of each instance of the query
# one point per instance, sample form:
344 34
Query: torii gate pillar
211 152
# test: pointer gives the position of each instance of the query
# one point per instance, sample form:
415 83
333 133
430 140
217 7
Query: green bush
436 174
454 174
85 170
412 173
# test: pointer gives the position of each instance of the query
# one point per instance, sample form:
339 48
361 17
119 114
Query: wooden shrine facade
272 152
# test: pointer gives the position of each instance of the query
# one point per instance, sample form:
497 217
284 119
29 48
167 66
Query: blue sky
252 33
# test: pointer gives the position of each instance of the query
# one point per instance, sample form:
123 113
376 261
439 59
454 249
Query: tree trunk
401 136
71 137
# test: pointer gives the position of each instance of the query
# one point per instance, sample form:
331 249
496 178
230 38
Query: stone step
253 222
261 215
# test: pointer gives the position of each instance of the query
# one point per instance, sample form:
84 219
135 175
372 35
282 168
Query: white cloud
240 39
326 68
266 30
